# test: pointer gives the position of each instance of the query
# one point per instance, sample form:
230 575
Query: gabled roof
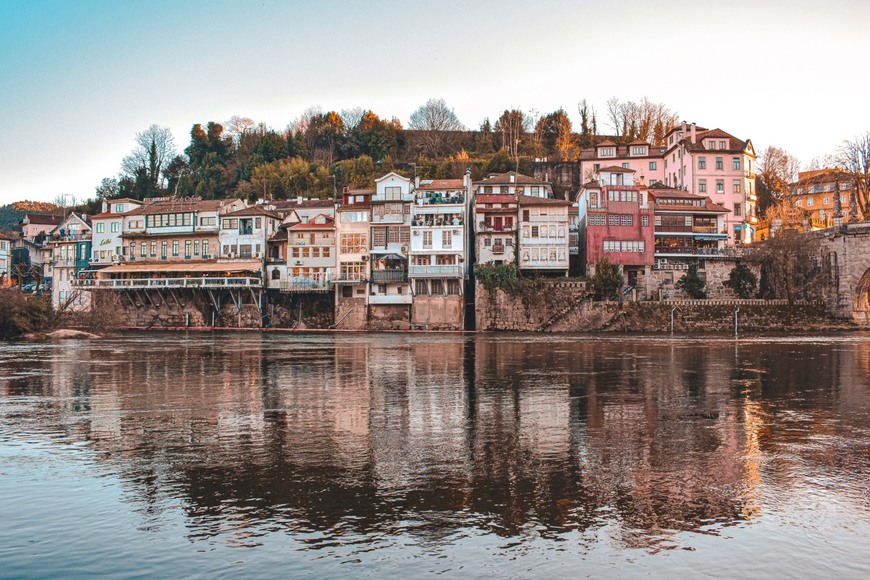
392 174
733 143
533 200
606 143
638 142
42 219
310 225
126 199
303 203
616 169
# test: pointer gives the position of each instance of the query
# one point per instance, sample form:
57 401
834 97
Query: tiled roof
734 144
660 192
256 210
616 169
172 206
606 143
43 219
304 204
310 225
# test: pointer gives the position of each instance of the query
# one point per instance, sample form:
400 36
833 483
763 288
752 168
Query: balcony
498 249
439 199
148 283
436 271
391 275
489 227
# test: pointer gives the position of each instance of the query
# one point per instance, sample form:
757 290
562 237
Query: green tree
607 279
692 284
743 281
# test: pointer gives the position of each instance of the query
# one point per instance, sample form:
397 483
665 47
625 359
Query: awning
187 267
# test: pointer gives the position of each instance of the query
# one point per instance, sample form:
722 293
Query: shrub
21 313
692 284
743 281
607 280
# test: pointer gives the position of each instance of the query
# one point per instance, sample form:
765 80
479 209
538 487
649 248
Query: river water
333 455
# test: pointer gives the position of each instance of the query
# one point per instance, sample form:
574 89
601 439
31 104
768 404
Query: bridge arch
861 298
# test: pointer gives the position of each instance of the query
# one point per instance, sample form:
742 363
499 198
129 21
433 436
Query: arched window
276 274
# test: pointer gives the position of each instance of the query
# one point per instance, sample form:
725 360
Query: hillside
11 214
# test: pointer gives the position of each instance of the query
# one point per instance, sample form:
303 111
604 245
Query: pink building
616 222
646 161
715 163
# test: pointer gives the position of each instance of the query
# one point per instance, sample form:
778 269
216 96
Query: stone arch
861 298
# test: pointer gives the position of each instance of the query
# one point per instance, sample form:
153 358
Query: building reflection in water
315 435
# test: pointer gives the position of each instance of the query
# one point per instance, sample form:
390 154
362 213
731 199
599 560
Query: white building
5 260
543 242
438 252
70 255
390 241
107 226
244 232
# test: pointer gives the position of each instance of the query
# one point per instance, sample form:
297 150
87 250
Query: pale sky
78 79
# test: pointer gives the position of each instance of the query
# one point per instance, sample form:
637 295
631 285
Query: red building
616 222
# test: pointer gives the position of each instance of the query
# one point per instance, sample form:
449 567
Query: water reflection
360 438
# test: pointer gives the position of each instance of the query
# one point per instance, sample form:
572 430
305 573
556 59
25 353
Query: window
163 248
153 249
132 249
187 246
826 200
379 237
625 165
652 165
702 186
535 232
627 220
738 210
101 227
525 215
720 164
453 287
354 216
735 163
393 192
116 227
205 248
196 247
644 221
353 243
723 145
142 250
427 239
720 186
487 242
811 201
606 152
208 221
842 199
446 239
736 186
421 287
613 219
536 191
174 247
597 219
638 150
702 163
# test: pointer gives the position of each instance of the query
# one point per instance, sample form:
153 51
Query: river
385 455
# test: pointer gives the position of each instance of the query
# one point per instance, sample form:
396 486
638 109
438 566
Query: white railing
205 282
435 271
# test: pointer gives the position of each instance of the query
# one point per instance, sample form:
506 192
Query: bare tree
512 126
644 120
238 127
434 120
155 148
352 117
853 156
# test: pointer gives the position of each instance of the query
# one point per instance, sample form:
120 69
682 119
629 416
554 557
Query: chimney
105 206
692 132
416 182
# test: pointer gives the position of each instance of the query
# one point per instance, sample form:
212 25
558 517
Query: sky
79 79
